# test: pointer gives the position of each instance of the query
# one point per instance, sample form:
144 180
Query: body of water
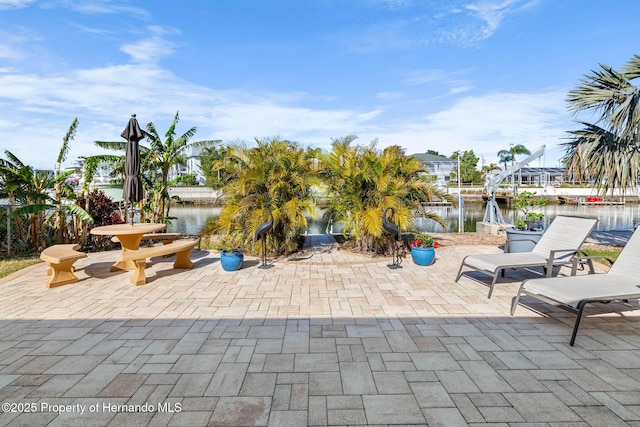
191 219
610 217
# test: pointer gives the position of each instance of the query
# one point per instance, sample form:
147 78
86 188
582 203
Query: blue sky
423 74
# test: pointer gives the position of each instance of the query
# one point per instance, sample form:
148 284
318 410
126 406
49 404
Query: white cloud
487 124
460 89
452 82
417 77
492 13
14 44
99 7
416 24
152 48
148 50
390 95
38 110
15 4
104 97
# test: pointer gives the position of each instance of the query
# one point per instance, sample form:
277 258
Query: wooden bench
182 249
165 238
60 259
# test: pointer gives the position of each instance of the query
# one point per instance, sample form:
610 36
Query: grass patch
11 265
611 252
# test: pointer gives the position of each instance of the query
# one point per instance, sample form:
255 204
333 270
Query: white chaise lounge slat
622 282
557 246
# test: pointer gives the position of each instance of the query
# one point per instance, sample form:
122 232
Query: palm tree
61 228
276 176
157 160
361 182
31 190
505 157
168 154
510 156
215 178
489 168
606 150
13 171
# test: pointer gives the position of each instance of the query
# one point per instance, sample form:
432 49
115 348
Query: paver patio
332 338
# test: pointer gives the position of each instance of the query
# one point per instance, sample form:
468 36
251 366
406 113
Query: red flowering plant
424 241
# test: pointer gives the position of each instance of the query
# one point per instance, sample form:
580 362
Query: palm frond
13 159
31 209
112 145
594 152
78 211
609 94
632 68
62 155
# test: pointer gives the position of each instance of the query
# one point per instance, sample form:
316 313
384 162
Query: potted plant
231 256
527 229
231 259
423 249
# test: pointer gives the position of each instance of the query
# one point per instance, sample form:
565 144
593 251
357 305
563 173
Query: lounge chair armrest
573 252
582 259
553 260
588 257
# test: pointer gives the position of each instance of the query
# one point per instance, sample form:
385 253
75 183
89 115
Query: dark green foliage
101 208
212 166
526 202
468 165
18 246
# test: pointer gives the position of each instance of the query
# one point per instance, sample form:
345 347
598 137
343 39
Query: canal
191 219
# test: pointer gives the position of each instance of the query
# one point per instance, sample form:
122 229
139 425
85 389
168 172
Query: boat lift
492 214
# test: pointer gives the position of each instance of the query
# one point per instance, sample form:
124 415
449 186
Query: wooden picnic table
129 236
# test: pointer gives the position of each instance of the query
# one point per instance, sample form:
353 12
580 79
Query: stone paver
327 338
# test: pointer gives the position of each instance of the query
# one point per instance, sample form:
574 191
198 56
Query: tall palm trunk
19 224
60 219
34 229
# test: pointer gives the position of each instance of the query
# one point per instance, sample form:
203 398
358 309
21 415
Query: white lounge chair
573 293
557 246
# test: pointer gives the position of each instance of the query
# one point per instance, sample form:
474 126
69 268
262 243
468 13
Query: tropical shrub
101 208
361 182
40 218
273 177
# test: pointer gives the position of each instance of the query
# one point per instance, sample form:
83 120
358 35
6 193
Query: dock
567 200
589 201
599 201
440 203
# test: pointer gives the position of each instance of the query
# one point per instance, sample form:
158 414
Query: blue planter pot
423 256
231 261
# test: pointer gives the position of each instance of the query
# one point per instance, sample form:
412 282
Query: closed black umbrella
132 189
